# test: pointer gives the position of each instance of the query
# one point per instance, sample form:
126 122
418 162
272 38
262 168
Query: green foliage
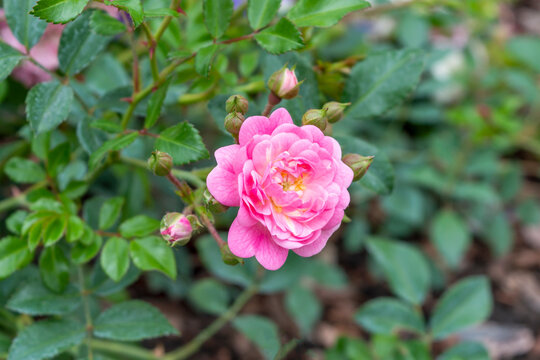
217 16
140 225
54 269
260 13
9 58
14 255
24 171
115 258
280 38
25 27
209 296
465 351
323 13
388 315
47 105
152 253
133 7
106 25
115 144
34 298
303 306
261 331
183 143
58 11
110 211
450 235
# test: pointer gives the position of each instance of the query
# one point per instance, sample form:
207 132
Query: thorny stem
152 51
166 21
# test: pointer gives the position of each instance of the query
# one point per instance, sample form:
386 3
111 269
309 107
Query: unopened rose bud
334 110
315 117
284 84
228 257
237 103
160 163
233 123
213 205
358 163
176 229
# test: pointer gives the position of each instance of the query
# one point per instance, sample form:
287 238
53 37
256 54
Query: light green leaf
110 211
160 12
35 299
152 253
304 307
115 144
133 7
203 59
75 228
404 267
154 105
24 171
81 253
9 58
217 16
104 24
15 221
183 143
465 304
58 11
280 38
526 50
322 12
498 234
465 351
53 230
382 82
262 331
54 268
115 258
140 225
388 316
132 321
47 105
27 28
450 235
14 255
45 339
210 296
261 12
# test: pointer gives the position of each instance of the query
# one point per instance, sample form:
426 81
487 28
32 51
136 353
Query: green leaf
261 12
262 331
280 38
465 304
152 253
115 258
498 234
35 299
54 268
160 12
24 171
304 307
47 105
526 50
14 255
9 58
450 235
115 144
465 351
75 228
132 321
203 59
104 24
140 225
53 230
15 221
404 267
388 316
217 16
58 11
210 296
27 28
58 158
110 211
81 253
380 175
79 45
322 12
133 7
382 82
154 105
183 143
45 339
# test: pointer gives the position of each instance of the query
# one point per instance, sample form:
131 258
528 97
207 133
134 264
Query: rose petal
270 255
223 185
260 125
244 240
316 246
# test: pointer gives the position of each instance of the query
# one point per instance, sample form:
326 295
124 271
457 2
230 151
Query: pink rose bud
316 118
228 257
284 84
334 110
176 229
237 103
233 123
358 163
160 163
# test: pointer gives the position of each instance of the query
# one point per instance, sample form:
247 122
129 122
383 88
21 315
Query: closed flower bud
176 229
334 110
358 163
237 103
315 117
213 205
284 84
233 123
160 163
228 257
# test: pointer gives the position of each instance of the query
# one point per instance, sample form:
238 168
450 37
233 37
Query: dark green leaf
388 316
450 235
280 38
465 351
110 211
203 60
382 82
140 225
261 12
115 258
154 105
54 268
27 28
47 105
133 7
498 234
58 158
323 12
58 11
262 331
115 144
104 24
24 171
9 58
132 321
465 304
35 299
210 296
14 254
217 16
152 253
304 307
81 253
183 143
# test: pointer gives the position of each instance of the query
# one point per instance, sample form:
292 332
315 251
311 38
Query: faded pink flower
284 84
290 185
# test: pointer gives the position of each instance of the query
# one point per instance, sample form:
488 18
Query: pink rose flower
290 185
284 84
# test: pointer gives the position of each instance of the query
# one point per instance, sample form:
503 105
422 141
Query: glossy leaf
35 299
262 331
152 253
217 16
104 24
154 105
75 228
54 230
388 316
261 12
204 58
115 144
81 253
183 143
47 105
450 235
58 11
24 171
9 58
115 258
110 211
280 38
54 268
140 225
14 254
26 28
323 12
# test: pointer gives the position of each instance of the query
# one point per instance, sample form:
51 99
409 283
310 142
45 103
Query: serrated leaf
79 45
210 296
35 299
450 235
115 144
47 105
54 268
139 225
110 211
203 59
81 253
261 12
133 7
104 24
26 28
217 16
280 38
262 331
304 307
115 258
132 321
152 253
465 304
183 143
388 316
154 105
14 254
322 12
58 11
382 82
45 339
24 171
9 59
